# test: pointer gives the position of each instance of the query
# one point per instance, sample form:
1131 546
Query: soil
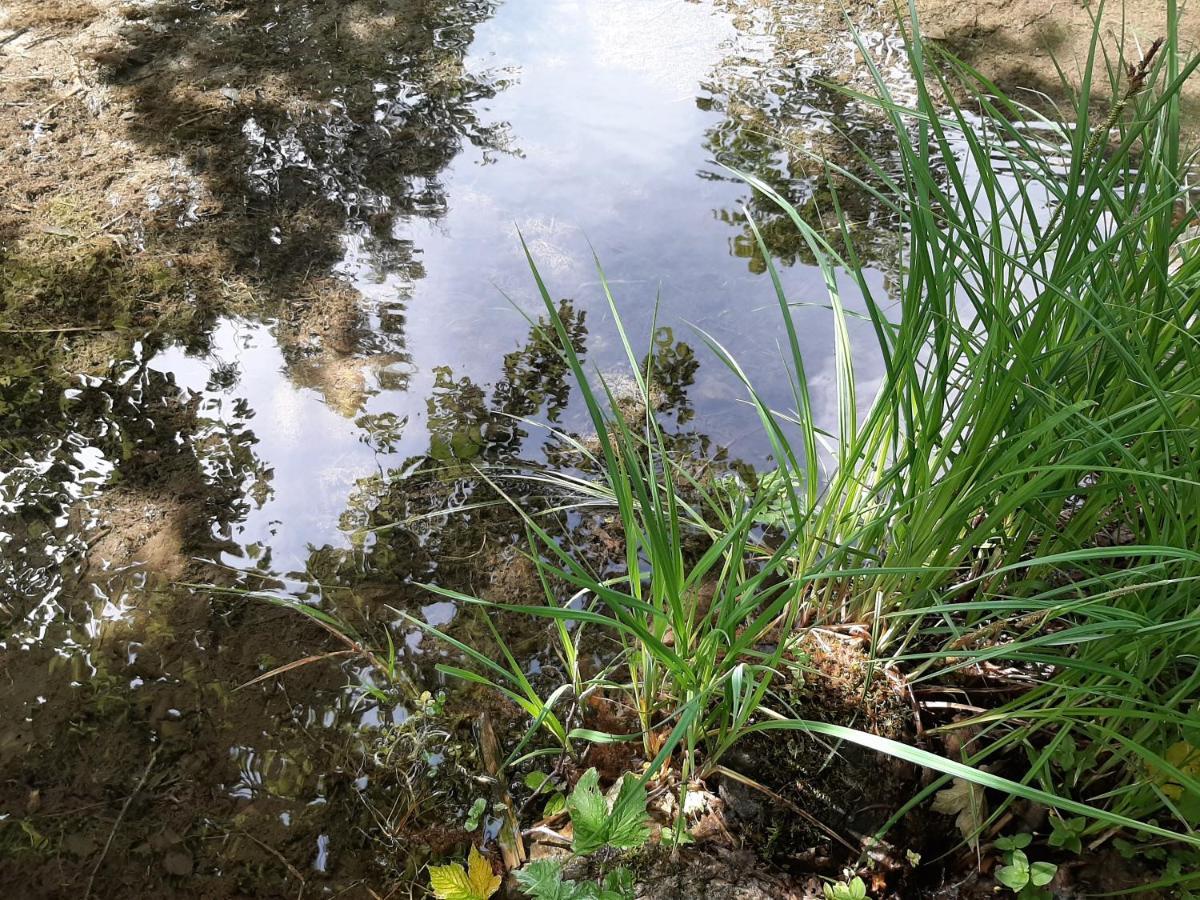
1017 43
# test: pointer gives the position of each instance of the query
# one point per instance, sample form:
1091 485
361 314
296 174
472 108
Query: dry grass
47 13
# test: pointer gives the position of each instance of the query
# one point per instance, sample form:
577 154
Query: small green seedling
1067 833
1025 879
596 823
475 815
543 880
854 889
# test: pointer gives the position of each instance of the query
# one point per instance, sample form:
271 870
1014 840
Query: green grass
1019 498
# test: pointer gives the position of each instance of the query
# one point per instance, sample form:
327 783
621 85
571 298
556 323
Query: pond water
372 166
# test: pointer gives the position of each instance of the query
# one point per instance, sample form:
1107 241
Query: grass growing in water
1018 500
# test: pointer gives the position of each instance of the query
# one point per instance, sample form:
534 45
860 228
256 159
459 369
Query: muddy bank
1017 43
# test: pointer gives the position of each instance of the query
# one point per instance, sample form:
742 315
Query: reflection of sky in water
611 141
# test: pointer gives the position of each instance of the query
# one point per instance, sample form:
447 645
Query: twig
783 801
55 329
117 824
279 856
12 36
57 103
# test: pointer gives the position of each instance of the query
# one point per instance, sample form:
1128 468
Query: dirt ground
1017 43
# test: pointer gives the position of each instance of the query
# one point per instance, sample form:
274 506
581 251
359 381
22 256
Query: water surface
373 167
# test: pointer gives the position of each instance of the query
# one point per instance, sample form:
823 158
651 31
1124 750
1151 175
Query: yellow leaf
483 880
453 882
1184 757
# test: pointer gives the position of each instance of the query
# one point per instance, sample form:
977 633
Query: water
356 177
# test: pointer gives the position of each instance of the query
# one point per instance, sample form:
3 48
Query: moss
64 282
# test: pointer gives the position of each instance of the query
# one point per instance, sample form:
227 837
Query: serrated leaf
619 882
596 826
542 879
589 813
453 882
967 803
1042 873
627 822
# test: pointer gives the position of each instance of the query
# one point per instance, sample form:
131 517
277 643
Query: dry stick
511 846
56 329
292 870
783 801
117 824
7 39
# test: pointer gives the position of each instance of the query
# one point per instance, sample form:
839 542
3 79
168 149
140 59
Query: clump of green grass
1018 500
1019 495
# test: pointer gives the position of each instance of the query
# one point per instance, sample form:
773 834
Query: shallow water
256 445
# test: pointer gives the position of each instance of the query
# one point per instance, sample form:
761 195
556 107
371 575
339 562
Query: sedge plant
1018 499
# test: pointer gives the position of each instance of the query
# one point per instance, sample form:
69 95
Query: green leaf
1067 833
627 822
556 804
589 813
475 816
535 780
541 880
595 826
453 882
1015 875
854 889
1016 842
677 834
1042 873
618 884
